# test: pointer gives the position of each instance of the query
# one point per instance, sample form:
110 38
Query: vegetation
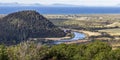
30 51
112 32
22 25
86 22
104 27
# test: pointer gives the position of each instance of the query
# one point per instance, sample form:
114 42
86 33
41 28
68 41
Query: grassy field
86 21
112 32
92 25
108 23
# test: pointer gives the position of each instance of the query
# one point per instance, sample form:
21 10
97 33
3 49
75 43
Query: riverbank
52 41
77 36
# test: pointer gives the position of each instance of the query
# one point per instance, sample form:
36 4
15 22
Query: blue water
64 10
77 36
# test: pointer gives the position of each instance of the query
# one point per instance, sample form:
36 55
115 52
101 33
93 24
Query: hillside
19 26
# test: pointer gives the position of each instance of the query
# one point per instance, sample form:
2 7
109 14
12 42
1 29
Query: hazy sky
74 2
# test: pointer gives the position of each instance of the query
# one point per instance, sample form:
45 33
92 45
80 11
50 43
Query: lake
63 10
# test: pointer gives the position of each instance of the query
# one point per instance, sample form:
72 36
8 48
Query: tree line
30 51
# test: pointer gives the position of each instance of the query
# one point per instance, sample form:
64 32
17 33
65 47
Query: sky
72 2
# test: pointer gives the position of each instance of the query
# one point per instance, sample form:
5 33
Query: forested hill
22 25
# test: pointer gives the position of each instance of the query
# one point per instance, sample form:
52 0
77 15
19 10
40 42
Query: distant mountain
20 26
38 4
64 5
9 4
19 4
118 5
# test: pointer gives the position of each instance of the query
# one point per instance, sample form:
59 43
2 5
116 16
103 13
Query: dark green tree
3 53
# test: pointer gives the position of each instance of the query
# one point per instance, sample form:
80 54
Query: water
64 10
77 36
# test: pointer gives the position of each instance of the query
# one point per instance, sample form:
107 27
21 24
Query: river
77 36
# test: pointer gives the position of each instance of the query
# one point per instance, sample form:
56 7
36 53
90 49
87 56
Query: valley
28 35
103 27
